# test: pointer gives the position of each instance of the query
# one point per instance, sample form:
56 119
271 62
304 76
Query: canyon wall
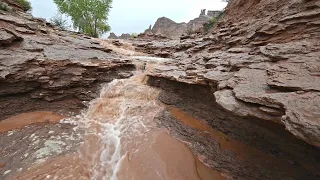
44 68
261 61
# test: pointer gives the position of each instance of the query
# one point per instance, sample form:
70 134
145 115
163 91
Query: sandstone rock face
261 135
169 28
197 23
173 30
149 36
262 60
42 67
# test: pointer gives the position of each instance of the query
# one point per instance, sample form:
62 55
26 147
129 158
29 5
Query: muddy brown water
242 150
24 119
160 157
121 141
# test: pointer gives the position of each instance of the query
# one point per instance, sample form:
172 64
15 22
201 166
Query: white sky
134 16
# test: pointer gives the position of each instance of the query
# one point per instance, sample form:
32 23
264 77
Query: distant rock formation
213 13
149 30
173 30
123 36
203 12
169 28
112 36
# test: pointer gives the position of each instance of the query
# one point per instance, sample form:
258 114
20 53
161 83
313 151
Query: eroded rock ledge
265 64
44 68
240 147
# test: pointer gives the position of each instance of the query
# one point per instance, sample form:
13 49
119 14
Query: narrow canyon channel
119 138
237 98
121 135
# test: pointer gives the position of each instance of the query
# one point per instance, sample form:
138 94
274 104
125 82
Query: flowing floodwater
121 140
117 124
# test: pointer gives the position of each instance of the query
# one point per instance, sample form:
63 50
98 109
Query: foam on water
117 118
152 59
118 121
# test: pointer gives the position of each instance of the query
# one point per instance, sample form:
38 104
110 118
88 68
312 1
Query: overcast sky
134 16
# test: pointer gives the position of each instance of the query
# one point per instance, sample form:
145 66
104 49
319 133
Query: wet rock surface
240 148
33 144
44 68
261 65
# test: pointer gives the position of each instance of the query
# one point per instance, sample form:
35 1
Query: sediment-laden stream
238 102
121 140
127 133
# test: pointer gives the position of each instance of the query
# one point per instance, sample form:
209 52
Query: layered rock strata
44 68
261 60
238 147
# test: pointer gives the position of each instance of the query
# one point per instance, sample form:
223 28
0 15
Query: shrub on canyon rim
59 21
207 26
134 35
4 6
88 16
24 4
213 21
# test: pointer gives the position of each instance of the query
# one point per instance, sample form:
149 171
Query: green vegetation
134 35
4 6
209 25
212 22
88 16
59 21
24 4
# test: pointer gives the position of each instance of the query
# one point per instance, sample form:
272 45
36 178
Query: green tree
88 16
